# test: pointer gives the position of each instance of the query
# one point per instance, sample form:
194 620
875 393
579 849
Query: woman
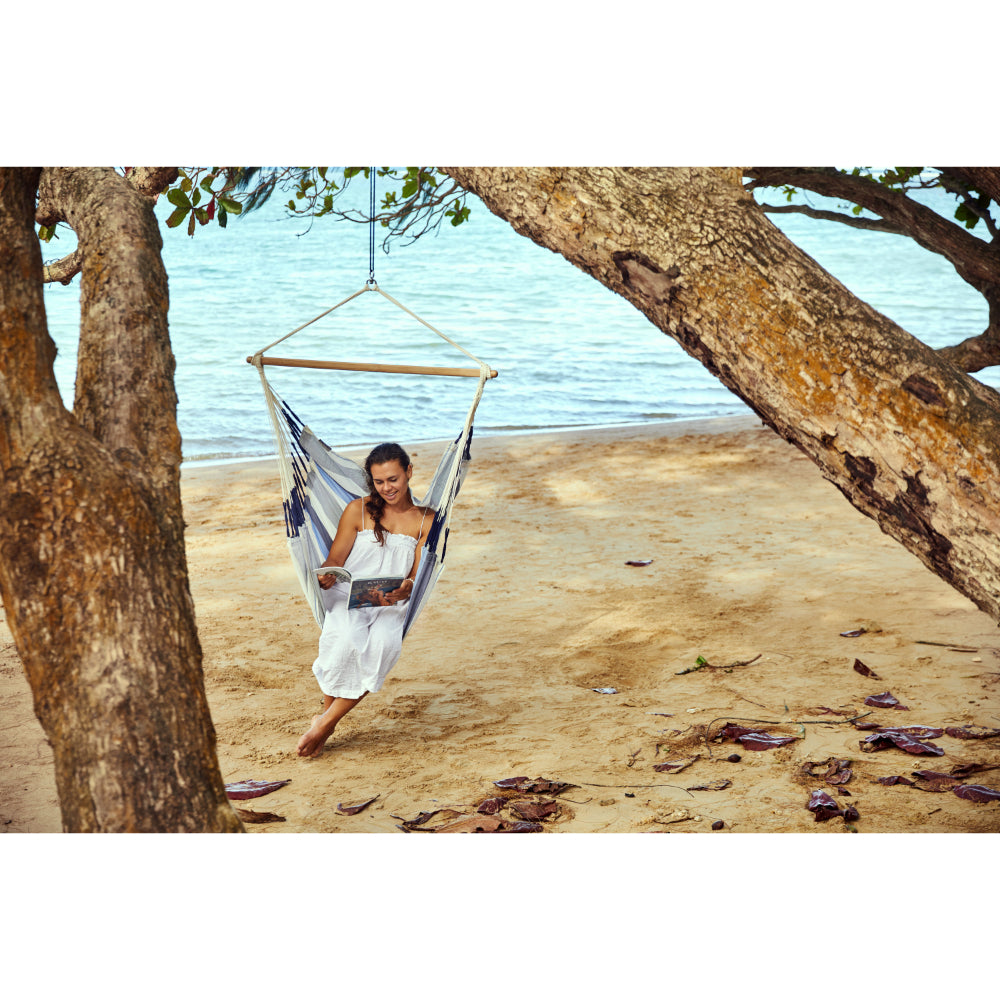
378 535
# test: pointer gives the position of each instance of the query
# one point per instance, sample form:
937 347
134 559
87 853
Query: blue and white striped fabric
318 484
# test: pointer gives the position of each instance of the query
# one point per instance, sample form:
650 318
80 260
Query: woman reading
378 535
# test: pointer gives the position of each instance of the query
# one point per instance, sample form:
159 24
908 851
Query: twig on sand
744 698
702 662
947 645
594 784
778 722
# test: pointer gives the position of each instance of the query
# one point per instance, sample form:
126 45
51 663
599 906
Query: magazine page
363 591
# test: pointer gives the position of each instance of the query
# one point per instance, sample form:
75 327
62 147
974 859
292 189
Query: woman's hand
401 593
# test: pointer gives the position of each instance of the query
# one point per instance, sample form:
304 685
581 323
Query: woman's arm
343 541
403 592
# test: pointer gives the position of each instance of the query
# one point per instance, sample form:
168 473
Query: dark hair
375 505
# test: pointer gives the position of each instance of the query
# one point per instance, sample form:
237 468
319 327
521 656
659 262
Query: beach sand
753 557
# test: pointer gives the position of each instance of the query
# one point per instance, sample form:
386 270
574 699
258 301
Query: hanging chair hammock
317 484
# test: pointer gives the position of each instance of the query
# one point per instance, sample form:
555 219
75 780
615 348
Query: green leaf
45 233
191 224
233 207
964 214
206 184
177 217
177 197
202 215
223 217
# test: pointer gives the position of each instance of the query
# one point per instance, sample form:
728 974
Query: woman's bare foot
314 739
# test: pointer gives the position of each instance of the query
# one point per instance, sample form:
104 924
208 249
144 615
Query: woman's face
391 480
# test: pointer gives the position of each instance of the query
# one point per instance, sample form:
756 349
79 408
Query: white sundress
358 648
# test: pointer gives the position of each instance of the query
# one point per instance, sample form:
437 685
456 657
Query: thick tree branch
857 221
911 441
975 260
984 179
150 182
978 206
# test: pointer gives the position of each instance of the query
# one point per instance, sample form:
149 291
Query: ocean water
570 353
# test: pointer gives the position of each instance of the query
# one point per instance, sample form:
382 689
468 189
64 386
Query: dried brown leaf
676 765
354 809
754 739
972 732
977 793
865 670
250 816
534 786
885 700
886 738
251 789
535 811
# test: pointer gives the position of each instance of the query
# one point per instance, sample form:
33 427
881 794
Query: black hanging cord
371 230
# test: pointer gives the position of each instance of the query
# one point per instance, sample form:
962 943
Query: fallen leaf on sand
887 737
824 807
250 816
676 765
934 781
490 807
972 732
865 671
885 700
534 811
713 786
534 786
977 793
253 789
753 739
355 809
834 771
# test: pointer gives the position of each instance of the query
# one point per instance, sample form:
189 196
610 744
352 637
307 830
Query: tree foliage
414 200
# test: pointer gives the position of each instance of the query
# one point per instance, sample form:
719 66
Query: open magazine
362 588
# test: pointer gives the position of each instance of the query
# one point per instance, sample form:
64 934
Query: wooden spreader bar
360 366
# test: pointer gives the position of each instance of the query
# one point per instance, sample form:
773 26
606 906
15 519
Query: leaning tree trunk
909 439
92 566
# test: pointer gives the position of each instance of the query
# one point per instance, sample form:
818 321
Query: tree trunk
909 439
92 566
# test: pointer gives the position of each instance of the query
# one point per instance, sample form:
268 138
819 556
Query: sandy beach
756 566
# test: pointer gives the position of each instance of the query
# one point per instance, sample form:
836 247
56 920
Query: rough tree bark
909 439
93 573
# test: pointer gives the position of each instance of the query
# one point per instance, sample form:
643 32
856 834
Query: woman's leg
314 738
